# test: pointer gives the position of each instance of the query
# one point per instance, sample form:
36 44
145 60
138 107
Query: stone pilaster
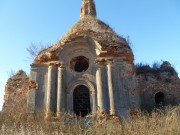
110 88
61 92
100 87
49 91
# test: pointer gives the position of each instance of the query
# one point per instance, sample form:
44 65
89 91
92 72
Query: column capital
104 61
51 64
100 61
109 61
61 64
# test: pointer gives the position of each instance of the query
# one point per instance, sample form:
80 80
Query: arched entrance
159 99
81 101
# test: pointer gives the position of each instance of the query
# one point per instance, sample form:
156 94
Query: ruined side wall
152 81
16 90
37 94
149 88
126 88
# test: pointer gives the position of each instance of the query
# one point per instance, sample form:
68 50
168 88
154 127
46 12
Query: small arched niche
79 64
159 99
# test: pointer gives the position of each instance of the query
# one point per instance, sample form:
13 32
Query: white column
61 94
100 90
48 98
111 90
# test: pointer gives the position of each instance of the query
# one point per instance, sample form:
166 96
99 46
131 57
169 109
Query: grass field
159 122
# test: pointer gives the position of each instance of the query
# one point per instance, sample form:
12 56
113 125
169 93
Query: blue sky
152 25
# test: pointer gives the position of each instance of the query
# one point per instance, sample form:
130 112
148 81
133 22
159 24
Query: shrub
159 122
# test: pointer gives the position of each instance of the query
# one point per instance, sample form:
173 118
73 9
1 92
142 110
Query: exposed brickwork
88 8
16 89
109 76
106 50
164 80
97 30
32 84
135 111
46 57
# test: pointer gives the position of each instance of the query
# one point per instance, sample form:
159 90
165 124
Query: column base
30 116
102 110
48 116
59 114
113 112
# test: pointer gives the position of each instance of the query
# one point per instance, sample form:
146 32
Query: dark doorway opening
81 104
159 99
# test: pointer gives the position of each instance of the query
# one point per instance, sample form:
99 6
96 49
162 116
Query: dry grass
166 122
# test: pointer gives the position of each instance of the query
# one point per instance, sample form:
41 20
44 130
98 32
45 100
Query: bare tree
156 65
35 48
11 73
129 43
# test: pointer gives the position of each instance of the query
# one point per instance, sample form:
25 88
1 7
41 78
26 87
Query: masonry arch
81 90
83 46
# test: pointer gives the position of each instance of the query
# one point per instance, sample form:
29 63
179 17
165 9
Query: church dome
90 23
94 28
89 26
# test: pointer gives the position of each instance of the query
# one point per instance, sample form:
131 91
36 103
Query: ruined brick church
91 70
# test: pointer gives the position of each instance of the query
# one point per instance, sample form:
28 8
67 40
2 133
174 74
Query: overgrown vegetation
156 68
159 122
35 48
11 73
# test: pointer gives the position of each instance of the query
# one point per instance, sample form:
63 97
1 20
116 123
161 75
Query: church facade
90 70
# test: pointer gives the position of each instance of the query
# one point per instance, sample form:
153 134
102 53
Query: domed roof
90 23
88 26
94 28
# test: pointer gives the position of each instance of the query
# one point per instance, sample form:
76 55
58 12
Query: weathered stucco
110 76
115 87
